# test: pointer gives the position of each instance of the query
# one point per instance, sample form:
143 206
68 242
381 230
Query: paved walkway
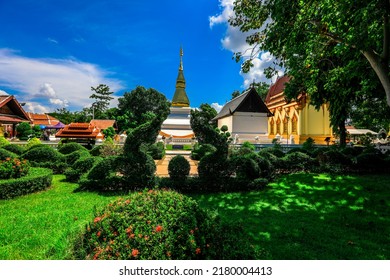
162 165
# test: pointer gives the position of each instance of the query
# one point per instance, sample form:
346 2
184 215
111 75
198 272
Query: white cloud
2 92
46 90
61 103
36 108
235 41
217 107
57 81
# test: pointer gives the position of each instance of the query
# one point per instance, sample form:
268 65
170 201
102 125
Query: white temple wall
247 122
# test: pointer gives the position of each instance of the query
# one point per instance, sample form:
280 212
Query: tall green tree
141 105
283 26
102 97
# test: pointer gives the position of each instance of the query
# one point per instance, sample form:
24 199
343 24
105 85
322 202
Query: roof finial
181 58
253 83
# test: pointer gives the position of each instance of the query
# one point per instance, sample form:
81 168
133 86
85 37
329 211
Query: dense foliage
178 168
160 225
13 168
37 179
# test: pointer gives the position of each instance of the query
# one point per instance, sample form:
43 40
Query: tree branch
386 33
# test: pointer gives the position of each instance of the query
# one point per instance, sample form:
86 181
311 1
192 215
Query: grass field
300 216
306 216
43 225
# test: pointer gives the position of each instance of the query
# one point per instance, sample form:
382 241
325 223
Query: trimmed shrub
274 151
179 168
213 168
245 167
200 151
76 155
95 151
297 161
352 151
33 142
333 156
156 150
14 148
138 170
4 154
37 179
102 168
46 157
13 168
68 148
81 166
24 130
266 168
160 225
42 153
3 142
370 162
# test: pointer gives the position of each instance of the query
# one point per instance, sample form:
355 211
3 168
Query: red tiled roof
276 88
79 130
103 124
42 119
12 110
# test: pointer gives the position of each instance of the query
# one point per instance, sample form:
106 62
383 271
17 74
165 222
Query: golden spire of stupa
180 98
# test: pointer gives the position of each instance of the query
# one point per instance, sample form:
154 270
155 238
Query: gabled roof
277 88
79 130
42 119
103 124
249 101
11 111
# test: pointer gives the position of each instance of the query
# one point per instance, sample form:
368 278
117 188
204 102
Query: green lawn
43 225
306 216
301 216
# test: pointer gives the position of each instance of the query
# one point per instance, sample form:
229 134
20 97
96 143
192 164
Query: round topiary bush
297 161
160 225
42 153
178 168
200 151
17 149
70 148
245 167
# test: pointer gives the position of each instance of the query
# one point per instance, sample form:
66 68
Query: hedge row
36 180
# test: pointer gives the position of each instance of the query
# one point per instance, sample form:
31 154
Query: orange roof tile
79 130
42 119
103 124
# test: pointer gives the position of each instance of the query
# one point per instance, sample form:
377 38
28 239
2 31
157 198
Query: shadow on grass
308 216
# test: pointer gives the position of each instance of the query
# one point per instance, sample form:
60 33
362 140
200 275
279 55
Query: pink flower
97 219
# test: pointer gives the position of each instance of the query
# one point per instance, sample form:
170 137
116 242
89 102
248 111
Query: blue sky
52 52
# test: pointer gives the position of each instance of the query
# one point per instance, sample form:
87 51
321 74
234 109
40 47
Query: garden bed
37 179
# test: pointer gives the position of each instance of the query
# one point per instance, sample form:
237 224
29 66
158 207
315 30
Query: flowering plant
159 225
13 168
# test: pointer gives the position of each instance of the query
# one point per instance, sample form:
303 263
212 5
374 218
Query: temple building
11 114
177 128
246 118
296 120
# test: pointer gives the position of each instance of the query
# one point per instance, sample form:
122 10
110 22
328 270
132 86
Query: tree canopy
102 96
140 106
283 26
335 51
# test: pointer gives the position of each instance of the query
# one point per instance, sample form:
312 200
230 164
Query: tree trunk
343 134
381 70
